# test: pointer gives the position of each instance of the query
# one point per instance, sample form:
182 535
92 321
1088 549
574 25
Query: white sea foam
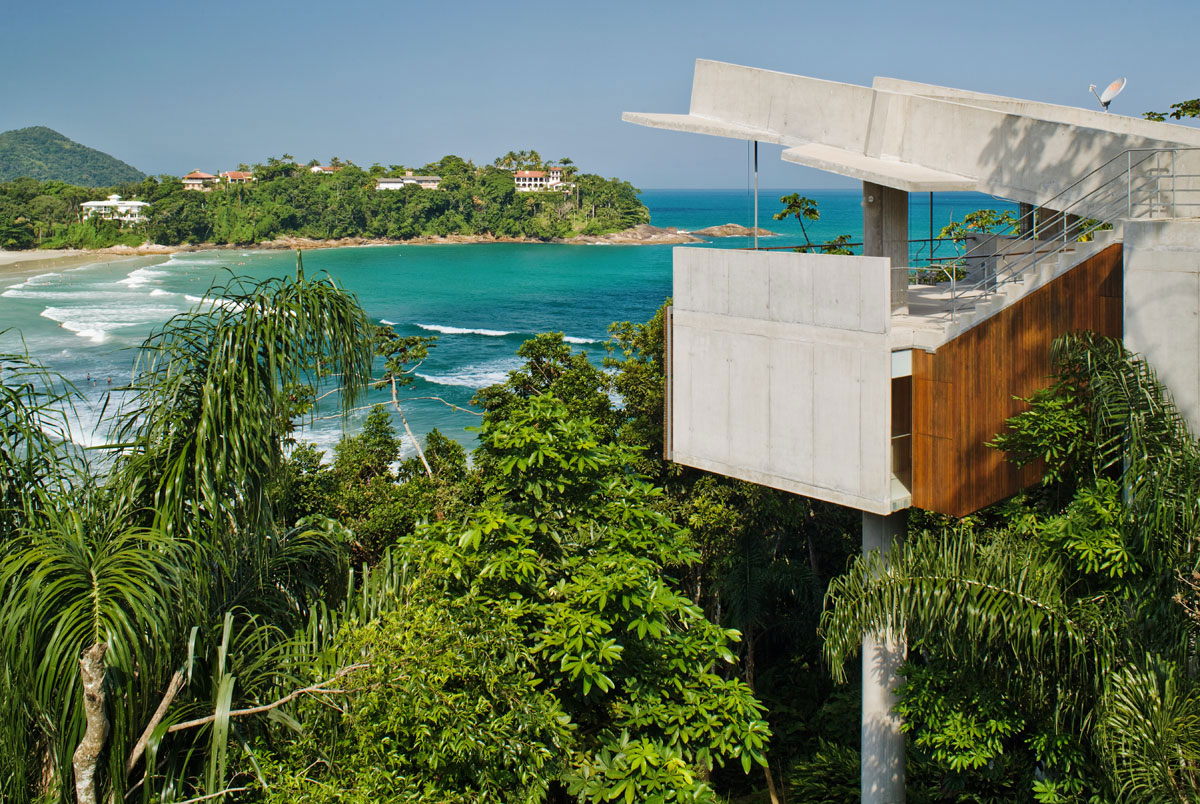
475 376
96 322
161 292
55 295
447 330
387 323
226 303
573 339
141 276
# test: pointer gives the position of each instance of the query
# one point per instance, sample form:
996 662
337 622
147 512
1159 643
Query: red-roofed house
198 180
238 176
326 169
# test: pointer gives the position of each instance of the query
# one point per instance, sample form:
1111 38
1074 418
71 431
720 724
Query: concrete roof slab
901 175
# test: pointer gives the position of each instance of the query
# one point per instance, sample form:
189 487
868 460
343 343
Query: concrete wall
781 371
1162 304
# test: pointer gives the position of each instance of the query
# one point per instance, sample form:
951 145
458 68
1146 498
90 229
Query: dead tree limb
316 689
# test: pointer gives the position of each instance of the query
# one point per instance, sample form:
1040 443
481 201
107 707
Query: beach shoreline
642 235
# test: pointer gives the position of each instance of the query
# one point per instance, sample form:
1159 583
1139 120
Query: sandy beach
24 261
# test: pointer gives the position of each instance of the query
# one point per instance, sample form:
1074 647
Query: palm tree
1074 606
114 585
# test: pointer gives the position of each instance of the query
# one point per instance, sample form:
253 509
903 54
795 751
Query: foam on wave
448 330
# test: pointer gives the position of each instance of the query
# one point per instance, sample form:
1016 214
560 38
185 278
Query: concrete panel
837 424
790 448
791 293
749 400
792 392
1162 305
750 286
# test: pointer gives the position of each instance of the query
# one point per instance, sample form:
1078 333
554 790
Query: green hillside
44 154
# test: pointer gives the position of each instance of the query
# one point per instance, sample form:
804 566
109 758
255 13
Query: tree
1187 108
802 209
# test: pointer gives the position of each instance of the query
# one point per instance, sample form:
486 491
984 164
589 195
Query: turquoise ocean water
482 301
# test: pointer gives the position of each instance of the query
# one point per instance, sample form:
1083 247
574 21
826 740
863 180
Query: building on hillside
198 180
237 177
327 170
538 180
399 182
115 209
844 379
528 181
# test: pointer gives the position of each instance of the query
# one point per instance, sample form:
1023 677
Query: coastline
15 261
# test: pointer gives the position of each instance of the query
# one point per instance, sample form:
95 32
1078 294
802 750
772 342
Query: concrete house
840 378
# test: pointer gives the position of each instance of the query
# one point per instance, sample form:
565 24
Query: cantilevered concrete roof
914 137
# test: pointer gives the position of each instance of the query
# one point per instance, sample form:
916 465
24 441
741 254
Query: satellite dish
1111 91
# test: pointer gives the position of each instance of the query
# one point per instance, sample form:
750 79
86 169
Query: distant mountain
42 153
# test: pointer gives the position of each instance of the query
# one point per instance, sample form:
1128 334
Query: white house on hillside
115 209
399 182
535 180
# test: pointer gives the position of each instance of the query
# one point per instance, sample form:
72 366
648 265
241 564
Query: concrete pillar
885 234
882 746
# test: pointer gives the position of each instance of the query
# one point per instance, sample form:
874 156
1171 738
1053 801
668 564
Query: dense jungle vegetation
287 199
215 612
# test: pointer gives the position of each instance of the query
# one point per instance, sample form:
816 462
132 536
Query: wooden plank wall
963 393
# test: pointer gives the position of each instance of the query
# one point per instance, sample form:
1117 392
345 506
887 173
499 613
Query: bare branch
139 747
316 689
407 429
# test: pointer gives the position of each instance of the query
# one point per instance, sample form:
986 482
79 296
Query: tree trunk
751 639
87 754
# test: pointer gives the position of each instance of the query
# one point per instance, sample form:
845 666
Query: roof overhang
914 137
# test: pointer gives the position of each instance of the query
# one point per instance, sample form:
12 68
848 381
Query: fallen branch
213 795
316 689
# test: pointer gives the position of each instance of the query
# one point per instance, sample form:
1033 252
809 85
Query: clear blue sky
169 86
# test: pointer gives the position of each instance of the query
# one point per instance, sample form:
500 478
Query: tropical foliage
1049 654
287 200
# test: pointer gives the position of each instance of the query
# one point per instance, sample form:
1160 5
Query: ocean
482 301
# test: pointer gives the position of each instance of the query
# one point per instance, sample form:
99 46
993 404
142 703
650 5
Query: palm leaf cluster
169 553
1070 610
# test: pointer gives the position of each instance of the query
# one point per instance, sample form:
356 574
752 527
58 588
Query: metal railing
1137 183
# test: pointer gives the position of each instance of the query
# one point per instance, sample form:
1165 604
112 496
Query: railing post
1129 184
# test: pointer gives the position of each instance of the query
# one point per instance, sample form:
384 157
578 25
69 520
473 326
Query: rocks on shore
732 230
641 235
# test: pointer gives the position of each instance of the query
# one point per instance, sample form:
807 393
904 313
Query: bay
482 301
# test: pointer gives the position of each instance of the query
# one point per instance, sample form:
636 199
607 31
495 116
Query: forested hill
44 154
286 199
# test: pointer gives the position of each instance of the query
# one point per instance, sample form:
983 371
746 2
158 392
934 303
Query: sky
172 86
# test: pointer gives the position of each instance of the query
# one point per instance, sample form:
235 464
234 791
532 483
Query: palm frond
974 600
